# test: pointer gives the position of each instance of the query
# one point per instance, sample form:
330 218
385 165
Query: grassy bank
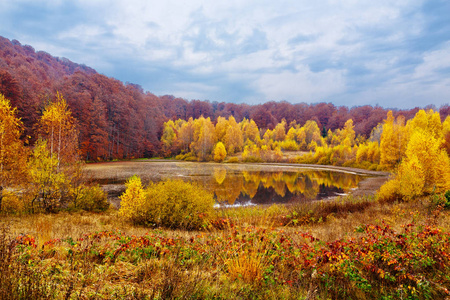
353 248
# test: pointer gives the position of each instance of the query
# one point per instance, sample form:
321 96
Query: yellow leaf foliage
12 156
133 205
219 152
234 139
250 130
393 141
411 178
425 165
172 203
58 127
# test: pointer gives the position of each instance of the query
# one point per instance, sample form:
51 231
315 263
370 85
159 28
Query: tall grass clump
171 203
320 211
18 278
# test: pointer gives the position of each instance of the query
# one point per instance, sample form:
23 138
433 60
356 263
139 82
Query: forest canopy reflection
265 187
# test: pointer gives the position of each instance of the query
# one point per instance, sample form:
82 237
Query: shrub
92 198
233 160
389 191
172 203
447 198
12 203
187 157
441 199
252 159
289 145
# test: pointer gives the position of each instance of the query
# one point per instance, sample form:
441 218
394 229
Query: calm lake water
233 184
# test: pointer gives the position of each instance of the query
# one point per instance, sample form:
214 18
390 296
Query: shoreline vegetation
61 239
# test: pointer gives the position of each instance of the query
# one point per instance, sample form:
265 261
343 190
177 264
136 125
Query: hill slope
118 120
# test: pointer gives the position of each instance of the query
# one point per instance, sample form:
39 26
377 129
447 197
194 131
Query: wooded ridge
117 120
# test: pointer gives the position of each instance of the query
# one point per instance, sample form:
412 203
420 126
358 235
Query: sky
395 54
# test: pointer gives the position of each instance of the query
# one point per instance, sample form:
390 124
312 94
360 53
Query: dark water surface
233 184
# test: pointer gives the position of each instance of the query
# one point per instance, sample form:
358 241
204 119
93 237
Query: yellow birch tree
58 128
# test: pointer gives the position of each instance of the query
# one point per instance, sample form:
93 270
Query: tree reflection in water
261 187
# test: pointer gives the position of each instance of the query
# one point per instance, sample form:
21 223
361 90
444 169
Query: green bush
447 197
441 199
172 203
91 198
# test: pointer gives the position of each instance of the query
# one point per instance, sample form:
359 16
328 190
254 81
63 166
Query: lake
233 184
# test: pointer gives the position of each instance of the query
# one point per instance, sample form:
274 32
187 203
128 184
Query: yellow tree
49 186
446 132
312 133
432 159
169 138
55 168
393 141
234 139
12 156
219 152
204 138
279 132
250 130
301 138
411 178
58 128
428 121
348 134
186 134
292 134
221 129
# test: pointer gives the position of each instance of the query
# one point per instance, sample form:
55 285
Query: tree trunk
1 197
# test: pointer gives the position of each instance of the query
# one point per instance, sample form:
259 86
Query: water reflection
262 187
232 184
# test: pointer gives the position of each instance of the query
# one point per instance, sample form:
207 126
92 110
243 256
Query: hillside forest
119 121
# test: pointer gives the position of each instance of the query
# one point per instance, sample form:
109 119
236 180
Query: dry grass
325 220
241 260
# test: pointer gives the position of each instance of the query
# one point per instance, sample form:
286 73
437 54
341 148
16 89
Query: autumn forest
117 120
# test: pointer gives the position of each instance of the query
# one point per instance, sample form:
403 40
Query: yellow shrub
12 203
290 145
172 203
133 202
389 190
91 198
233 160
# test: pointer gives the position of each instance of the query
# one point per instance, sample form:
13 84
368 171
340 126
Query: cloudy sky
348 52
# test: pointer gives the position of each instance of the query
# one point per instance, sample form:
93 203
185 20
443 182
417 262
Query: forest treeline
416 151
117 120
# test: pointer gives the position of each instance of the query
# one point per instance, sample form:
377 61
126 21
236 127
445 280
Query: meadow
348 248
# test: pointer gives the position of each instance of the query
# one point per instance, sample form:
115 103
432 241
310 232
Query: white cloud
303 85
189 90
350 50
433 63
